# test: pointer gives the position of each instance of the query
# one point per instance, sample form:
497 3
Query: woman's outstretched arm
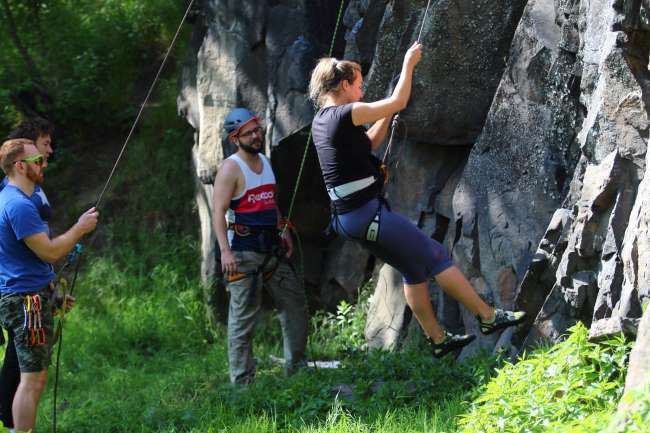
369 112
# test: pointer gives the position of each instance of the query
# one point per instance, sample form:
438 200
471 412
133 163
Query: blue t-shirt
38 198
21 271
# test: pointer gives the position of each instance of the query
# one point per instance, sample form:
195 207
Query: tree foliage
81 63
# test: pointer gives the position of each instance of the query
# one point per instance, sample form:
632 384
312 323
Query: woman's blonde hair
327 76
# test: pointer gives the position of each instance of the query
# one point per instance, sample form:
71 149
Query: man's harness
270 241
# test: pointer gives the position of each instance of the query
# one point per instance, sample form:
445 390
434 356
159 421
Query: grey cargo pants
245 306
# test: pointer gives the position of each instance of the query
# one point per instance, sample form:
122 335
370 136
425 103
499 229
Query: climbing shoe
502 319
450 343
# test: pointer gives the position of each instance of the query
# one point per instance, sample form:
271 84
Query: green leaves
90 59
343 331
553 388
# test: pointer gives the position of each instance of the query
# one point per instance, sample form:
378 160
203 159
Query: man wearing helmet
252 250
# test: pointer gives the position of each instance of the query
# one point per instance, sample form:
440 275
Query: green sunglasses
36 159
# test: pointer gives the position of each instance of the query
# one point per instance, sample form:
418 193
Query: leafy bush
555 389
342 331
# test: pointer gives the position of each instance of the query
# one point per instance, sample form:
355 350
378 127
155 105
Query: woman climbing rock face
360 213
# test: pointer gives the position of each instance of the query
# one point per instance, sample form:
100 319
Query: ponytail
327 76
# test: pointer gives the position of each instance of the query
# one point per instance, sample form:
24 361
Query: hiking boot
450 343
502 319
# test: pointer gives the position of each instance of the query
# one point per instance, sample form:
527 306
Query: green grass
136 359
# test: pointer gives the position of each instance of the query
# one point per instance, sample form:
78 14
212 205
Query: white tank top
252 179
256 205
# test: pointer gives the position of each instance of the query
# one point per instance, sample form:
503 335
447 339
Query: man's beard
34 176
249 147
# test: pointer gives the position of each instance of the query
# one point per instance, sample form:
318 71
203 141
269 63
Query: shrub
554 389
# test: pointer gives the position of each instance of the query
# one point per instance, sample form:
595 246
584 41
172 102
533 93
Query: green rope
306 151
336 28
301 267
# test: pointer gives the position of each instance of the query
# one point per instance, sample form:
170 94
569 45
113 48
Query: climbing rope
99 200
73 257
396 118
285 225
306 151
144 103
424 19
287 222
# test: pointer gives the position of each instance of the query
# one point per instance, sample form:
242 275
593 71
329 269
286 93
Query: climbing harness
268 240
342 191
276 253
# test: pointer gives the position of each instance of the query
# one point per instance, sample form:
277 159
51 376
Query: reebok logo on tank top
257 199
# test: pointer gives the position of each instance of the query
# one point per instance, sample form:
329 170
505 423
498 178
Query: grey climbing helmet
236 119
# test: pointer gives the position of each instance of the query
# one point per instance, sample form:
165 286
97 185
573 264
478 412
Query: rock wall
587 264
516 174
523 149
257 55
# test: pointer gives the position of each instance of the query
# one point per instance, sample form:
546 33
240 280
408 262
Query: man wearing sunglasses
40 132
26 255
252 251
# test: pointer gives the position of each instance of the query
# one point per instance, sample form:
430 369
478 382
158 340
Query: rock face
596 251
465 44
257 55
523 149
516 175
639 369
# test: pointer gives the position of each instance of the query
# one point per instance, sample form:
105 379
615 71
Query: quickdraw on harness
274 251
33 327
341 192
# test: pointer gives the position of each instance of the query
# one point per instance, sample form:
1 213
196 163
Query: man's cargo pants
246 304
